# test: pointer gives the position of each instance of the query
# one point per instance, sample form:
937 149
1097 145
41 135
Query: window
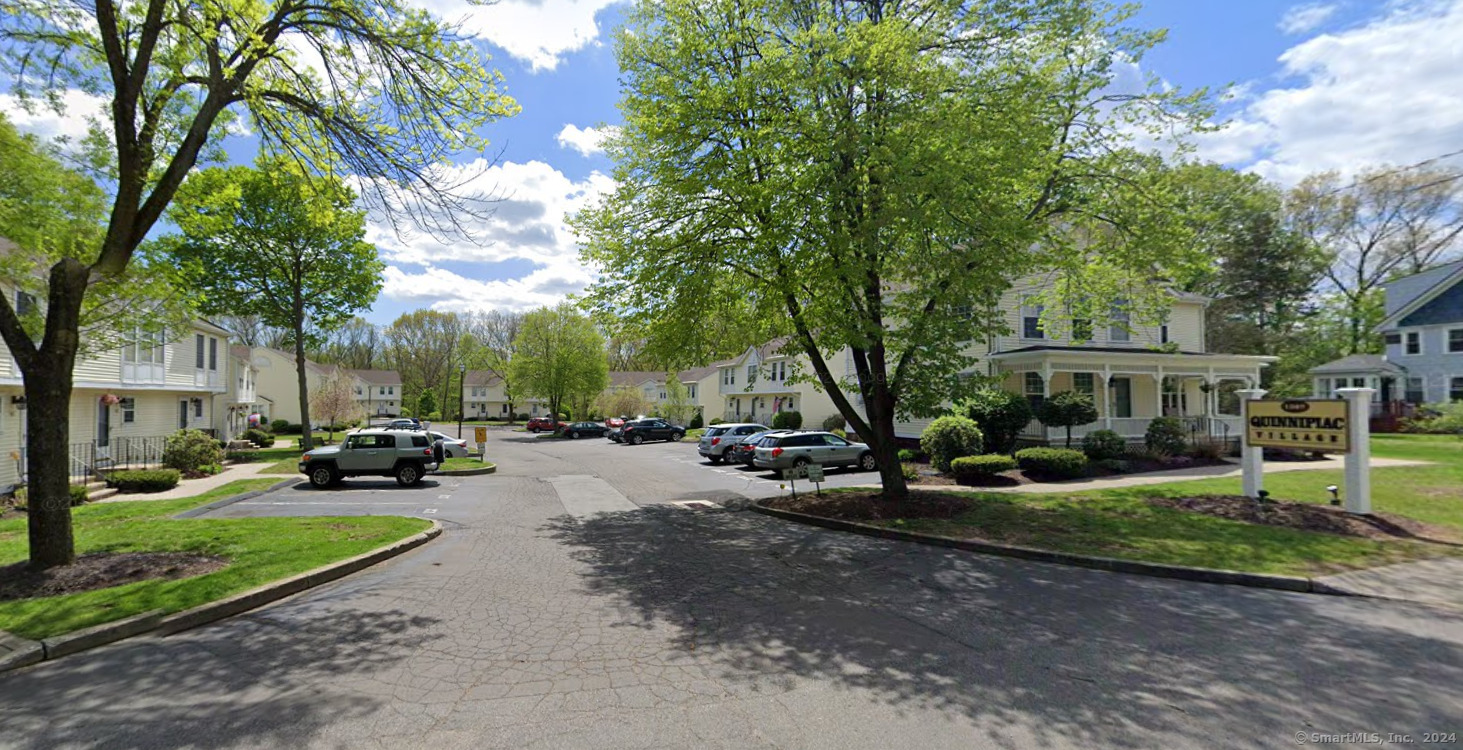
1413 343
419 441
213 353
1121 319
1175 399
1081 329
1084 382
1414 394
789 406
1035 388
1163 334
197 407
1455 390
1455 341
129 410
751 373
1031 319
834 440
1393 339
198 351
729 376
964 312
25 303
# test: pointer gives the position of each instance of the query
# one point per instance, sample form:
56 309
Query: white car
453 447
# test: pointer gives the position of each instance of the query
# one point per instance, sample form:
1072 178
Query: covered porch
1130 388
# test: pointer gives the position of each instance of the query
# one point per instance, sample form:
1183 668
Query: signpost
1322 425
813 472
480 436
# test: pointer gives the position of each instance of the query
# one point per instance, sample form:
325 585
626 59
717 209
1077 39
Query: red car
543 424
613 422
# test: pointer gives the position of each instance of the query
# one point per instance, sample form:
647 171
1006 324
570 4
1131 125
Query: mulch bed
871 506
102 570
1309 517
927 475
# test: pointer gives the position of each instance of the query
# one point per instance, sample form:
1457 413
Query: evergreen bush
949 438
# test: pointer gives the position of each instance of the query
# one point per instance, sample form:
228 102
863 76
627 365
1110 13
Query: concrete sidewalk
191 487
1438 581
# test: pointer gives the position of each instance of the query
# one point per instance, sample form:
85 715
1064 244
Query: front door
183 415
104 426
1122 397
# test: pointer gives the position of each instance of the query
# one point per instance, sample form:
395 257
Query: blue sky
1318 85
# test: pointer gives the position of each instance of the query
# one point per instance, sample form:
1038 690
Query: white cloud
539 32
588 141
78 108
1380 93
1304 18
528 225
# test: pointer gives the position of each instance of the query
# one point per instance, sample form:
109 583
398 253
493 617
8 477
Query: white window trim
1447 340
1038 310
1421 349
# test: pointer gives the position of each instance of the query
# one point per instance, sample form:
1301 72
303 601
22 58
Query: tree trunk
48 380
885 445
306 438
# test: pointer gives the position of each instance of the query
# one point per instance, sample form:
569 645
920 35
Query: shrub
1209 449
241 457
258 437
1115 465
787 420
1165 436
716 421
186 450
696 421
834 422
208 470
279 426
1058 462
975 467
1437 419
1067 409
1000 415
949 438
144 480
910 473
839 432
79 495
906 455
1100 445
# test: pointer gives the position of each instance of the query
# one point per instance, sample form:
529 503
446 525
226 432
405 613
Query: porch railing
89 461
1220 427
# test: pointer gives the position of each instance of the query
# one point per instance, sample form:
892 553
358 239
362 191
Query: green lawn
1431 493
458 464
260 550
1120 523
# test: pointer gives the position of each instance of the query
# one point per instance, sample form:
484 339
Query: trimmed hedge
1165 437
972 467
1060 462
1101 445
144 480
787 420
949 438
258 437
834 422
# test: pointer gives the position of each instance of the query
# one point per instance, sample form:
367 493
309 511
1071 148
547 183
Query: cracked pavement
668 627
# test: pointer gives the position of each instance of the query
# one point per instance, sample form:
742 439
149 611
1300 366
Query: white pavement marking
315 502
584 495
430 511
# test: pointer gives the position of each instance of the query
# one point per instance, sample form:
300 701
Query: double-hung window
1455 389
1121 320
1455 341
1414 393
1412 342
1035 388
1031 319
1084 383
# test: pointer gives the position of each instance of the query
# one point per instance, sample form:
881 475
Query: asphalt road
668 626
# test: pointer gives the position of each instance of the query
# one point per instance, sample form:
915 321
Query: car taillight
716 441
776 452
426 451
628 429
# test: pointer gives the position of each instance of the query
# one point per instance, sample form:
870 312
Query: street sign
480 434
815 473
1304 424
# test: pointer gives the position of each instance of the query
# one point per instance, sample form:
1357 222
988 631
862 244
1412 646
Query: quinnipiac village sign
1303 424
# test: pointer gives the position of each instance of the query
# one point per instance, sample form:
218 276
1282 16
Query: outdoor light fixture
1335 496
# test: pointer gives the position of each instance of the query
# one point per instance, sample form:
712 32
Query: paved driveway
669 627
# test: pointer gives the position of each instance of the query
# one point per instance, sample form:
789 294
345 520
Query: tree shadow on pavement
1055 655
244 678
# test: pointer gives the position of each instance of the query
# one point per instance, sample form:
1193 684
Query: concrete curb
271 592
155 622
1113 565
20 652
215 505
489 469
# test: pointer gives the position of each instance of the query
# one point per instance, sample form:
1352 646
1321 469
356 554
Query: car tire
800 462
323 476
867 462
573 434
715 460
439 452
408 474
676 437
637 439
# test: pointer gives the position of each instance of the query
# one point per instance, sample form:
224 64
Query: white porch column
1252 458
1359 460
1105 416
1046 393
1158 391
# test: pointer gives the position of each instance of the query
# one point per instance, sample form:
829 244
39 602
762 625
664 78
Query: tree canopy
559 357
867 177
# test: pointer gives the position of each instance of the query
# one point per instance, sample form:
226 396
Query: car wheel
637 439
800 462
715 459
676 436
573 435
867 462
322 476
408 475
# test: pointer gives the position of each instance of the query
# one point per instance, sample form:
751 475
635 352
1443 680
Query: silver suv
799 449
407 455
721 438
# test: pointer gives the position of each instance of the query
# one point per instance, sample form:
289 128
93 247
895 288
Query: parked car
642 430
799 449
543 424
613 422
407 455
616 434
454 447
405 423
717 442
576 430
746 450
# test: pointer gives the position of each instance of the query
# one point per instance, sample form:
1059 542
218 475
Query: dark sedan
576 430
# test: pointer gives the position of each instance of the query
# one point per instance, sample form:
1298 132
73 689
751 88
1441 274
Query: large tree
273 243
488 345
423 345
559 357
334 400
376 89
1384 223
867 177
356 344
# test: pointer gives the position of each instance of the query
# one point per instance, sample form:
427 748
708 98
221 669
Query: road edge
215 505
1295 584
489 469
